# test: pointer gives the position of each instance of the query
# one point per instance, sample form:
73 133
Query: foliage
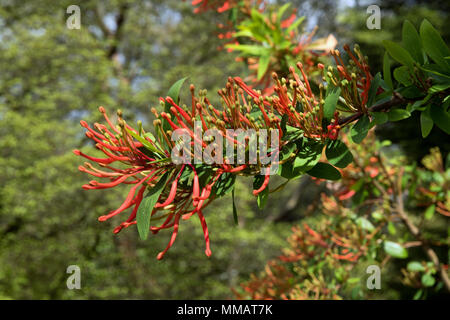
364 222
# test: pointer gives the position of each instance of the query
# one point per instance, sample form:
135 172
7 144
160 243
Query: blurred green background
126 55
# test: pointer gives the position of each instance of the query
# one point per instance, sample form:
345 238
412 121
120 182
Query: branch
416 233
396 100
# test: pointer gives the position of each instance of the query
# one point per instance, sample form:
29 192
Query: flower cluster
181 190
354 79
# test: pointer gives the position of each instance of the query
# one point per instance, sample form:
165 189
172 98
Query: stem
396 100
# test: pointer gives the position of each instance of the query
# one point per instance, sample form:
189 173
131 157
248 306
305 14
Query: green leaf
263 65
308 155
143 215
411 41
418 294
376 82
433 45
365 224
295 24
415 266
440 117
426 123
235 215
394 249
142 140
402 75
263 195
331 102
174 93
324 170
379 118
439 87
398 53
338 154
387 71
428 280
436 70
282 10
359 131
429 213
252 50
398 114
391 228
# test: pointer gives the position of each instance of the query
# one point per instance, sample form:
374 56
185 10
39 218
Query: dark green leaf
359 131
324 170
433 45
398 114
402 75
411 41
440 117
338 154
235 215
376 82
426 123
387 71
263 195
379 117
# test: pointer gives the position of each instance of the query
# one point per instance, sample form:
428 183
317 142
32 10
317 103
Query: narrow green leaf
142 140
252 50
418 294
331 102
143 215
412 42
396 250
295 25
376 82
262 197
282 10
429 213
398 114
324 170
387 71
398 53
174 93
235 215
433 44
338 154
263 65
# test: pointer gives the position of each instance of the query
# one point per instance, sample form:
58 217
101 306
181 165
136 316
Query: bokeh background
126 55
